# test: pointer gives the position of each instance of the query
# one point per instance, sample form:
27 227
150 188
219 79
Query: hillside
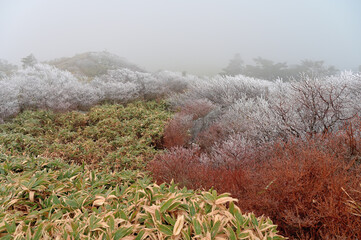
92 64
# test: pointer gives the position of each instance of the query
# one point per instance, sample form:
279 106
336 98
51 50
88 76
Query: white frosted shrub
253 118
299 108
223 91
353 82
174 82
124 84
2 75
233 151
314 105
263 111
240 104
44 86
117 86
9 104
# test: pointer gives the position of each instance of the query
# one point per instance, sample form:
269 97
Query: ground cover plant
44 198
108 136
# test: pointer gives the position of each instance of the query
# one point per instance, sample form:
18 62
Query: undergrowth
108 136
48 199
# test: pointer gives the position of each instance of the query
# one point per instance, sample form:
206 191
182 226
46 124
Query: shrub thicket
301 184
45 87
264 111
109 136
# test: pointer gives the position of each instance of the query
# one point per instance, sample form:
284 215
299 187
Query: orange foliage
299 183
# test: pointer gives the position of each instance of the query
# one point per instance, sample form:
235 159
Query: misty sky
198 36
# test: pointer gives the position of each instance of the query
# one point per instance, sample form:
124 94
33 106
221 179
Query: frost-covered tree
47 87
266 69
235 66
304 107
29 61
315 68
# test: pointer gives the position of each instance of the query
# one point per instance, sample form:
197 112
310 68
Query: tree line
268 69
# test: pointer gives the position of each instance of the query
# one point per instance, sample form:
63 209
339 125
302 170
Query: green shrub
48 199
111 136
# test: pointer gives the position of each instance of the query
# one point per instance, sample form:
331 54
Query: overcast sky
198 36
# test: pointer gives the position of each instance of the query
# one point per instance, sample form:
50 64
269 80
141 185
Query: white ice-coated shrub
174 82
117 85
263 111
235 150
44 86
9 104
253 118
240 104
303 107
353 83
224 91
314 105
124 84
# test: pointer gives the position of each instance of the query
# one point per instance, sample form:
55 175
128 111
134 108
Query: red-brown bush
304 193
178 164
177 131
299 183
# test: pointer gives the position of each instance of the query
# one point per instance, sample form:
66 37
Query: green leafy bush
111 136
49 199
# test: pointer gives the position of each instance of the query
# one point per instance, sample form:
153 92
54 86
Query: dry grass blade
178 226
354 205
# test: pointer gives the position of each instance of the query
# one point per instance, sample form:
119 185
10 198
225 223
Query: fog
199 37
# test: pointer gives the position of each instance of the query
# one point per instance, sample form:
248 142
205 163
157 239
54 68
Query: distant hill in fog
92 64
